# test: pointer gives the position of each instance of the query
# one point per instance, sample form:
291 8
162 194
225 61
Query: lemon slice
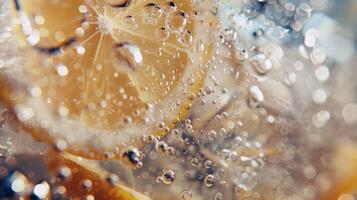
100 75
82 179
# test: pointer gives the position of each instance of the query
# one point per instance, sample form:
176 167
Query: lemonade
177 99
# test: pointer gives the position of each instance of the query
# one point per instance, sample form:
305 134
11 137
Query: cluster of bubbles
255 140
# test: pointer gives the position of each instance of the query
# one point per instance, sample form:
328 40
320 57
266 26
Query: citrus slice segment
55 175
99 75
82 179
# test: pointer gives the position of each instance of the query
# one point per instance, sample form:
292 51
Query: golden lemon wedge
82 179
98 75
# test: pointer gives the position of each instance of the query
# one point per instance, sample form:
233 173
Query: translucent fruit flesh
95 68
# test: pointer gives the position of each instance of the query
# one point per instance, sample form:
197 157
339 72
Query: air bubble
209 180
62 70
212 135
131 53
168 177
322 73
41 190
176 21
18 182
130 20
87 184
112 179
132 158
194 162
162 33
241 54
83 9
186 195
152 13
207 164
36 91
256 95
65 172
168 6
161 147
218 196
261 64
319 96
185 38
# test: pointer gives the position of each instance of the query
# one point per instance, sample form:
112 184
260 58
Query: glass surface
178 99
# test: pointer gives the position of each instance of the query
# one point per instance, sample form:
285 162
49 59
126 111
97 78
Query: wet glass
180 99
